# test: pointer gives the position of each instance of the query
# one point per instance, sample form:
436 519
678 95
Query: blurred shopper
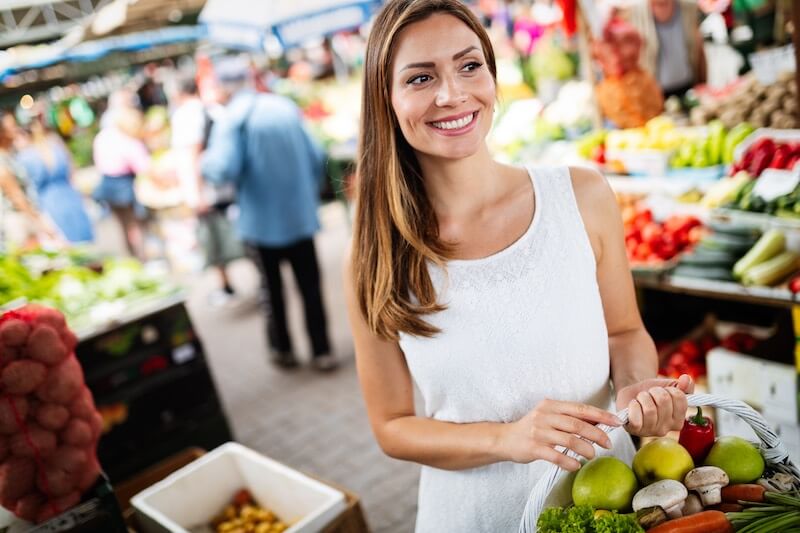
120 154
263 148
673 47
215 231
19 219
48 167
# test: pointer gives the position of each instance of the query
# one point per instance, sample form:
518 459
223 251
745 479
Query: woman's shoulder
596 200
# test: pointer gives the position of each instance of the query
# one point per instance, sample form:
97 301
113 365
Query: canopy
31 57
243 23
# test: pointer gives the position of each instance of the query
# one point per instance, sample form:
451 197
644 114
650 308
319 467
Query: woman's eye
472 66
418 80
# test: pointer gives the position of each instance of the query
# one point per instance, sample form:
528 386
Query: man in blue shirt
262 147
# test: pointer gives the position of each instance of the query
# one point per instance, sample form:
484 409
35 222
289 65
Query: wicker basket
775 455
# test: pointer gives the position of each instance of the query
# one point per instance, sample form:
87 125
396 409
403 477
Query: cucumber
710 258
773 270
735 229
734 244
768 246
703 272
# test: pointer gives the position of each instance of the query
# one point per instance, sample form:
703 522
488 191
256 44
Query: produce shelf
136 310
723 290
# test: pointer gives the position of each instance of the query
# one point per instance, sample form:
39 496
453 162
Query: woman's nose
450 93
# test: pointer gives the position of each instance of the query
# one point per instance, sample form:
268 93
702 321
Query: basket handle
772 449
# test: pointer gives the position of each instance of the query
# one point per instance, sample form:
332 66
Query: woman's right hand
556 423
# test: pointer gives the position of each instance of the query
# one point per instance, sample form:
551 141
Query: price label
774 183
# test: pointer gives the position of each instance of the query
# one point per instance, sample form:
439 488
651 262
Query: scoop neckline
537 209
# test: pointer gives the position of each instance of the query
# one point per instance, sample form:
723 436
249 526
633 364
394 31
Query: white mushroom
667 494
692 505
707 481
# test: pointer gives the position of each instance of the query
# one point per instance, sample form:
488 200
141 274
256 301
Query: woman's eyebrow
456 56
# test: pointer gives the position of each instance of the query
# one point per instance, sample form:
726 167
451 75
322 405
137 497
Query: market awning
26 58
247 24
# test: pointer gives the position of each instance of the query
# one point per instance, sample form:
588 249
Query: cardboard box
195 494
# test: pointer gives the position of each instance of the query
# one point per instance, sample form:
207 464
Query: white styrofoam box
780 392
195 494
729 424
732 375
790 437
767 386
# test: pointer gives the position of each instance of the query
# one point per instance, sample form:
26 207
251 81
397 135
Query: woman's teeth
454 124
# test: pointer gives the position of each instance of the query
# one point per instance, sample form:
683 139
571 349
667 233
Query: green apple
662 458
738 458
605 483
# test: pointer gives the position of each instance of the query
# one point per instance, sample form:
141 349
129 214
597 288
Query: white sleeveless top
520 326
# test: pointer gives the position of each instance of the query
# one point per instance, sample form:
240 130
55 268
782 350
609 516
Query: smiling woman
503 293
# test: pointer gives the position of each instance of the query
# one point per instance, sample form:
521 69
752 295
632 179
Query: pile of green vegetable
75 282
779 512
584 519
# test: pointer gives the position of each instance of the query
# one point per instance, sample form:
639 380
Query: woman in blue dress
48 168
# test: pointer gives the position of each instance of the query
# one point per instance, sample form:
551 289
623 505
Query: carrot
748 492
704 522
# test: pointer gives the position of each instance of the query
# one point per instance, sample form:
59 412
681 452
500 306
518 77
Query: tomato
690 350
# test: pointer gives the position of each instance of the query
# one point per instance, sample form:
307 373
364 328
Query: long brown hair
396 232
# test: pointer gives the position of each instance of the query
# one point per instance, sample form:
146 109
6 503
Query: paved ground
316 423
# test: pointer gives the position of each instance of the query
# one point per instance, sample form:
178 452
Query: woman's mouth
455 126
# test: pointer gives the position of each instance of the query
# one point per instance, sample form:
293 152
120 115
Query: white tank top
521 325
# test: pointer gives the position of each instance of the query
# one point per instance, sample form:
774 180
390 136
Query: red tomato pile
651 242
690 356
49 426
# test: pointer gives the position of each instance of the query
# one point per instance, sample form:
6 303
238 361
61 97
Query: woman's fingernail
618 420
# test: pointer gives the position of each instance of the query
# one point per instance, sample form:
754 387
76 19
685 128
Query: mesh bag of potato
49 426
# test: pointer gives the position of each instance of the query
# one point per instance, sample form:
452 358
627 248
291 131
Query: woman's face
442 91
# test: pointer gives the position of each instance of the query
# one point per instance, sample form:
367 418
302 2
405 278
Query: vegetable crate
98 511
551 485
149 377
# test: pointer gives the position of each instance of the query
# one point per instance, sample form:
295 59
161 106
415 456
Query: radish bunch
49 426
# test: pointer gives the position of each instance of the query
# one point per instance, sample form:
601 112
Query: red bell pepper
697 436
781 157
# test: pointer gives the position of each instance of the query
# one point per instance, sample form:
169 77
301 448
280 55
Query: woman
48 167
119 155
19 219
503 293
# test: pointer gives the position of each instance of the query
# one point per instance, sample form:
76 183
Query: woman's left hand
655 406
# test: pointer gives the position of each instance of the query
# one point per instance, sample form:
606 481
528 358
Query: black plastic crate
98 512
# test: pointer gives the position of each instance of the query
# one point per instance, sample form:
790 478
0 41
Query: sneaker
284 359
325 362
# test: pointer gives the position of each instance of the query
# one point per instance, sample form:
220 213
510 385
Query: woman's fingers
554 439
649 410
563 461
585 430
635 417
583 411
679 406
664 405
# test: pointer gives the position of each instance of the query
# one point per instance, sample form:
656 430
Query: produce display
749 101
78 284
49 426
689 357
652 243
699 483
674 147
243 515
